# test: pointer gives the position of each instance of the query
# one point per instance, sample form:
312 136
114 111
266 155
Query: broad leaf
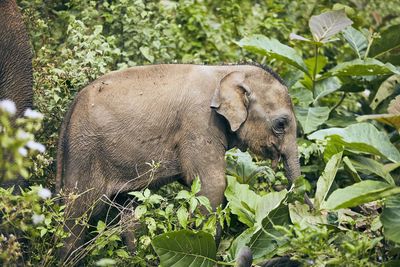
300 214
267 203
274 49
331 149
241 165
390 39
146 53
360 137
359 67
387 88
250 207
301 96
240 242
312 65
321 63
357 41
359 193
390 218
326 179
349 167
327 24
311 118
242 201
185 248
367 166
293 36
326 86
264 242
389 119
392 119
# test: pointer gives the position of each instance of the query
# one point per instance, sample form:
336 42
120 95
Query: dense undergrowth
343 78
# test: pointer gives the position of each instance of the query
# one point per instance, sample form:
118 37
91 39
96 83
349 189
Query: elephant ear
230 99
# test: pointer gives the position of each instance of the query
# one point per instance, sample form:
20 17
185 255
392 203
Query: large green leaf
240 242
357 41
390 218
310 63
311 118
359 67
251 208
360 137
324 26
389 119
359 193
387 88
326 179
185 248
267 203
241 165
389 40
242 201
274 49
264 243
349 167
302 215
321 63
367 166
261 238
326 86
302 97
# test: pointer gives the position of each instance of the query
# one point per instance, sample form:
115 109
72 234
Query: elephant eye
279 125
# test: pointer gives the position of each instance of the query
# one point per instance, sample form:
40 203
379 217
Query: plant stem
340 101
315 69
370 41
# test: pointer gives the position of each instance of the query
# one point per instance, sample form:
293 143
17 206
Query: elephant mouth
273 154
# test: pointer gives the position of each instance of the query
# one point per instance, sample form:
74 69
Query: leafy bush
343 83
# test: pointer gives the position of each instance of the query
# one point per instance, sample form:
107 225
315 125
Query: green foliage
370 141
273 48
17 141
334 74
31 221
321 246
198 249
359 193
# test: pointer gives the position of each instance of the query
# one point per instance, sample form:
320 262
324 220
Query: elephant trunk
291 163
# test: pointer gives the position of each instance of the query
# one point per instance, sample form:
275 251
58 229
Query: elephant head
258 108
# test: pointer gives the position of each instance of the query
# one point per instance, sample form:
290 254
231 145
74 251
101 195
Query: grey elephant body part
15 57
15 67
183 117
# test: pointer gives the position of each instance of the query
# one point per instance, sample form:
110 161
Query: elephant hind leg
83 202
78 212
129 224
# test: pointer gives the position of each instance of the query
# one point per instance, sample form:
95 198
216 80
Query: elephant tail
63 146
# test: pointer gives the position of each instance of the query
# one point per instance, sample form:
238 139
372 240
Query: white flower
33 114
44 193
8 106
22 135
366 93
22 151
36 218
36 146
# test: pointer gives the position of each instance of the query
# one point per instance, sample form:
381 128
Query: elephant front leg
209 164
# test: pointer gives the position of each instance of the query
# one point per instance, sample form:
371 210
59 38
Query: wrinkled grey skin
15 57
183 116
15 67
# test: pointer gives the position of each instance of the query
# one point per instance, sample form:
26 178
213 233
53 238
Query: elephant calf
183 116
